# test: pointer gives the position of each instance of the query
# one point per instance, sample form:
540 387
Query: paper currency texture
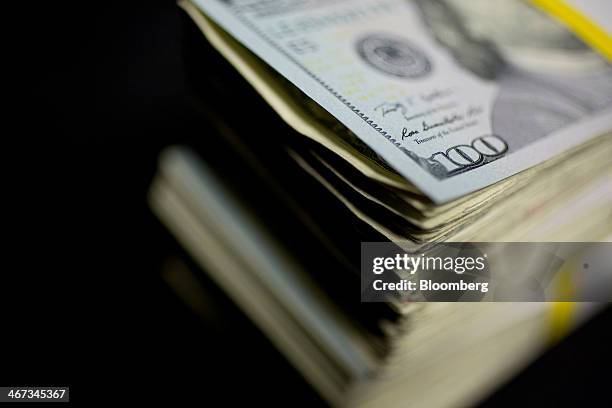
453 95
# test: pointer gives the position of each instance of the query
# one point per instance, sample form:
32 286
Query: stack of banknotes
437 120
429 121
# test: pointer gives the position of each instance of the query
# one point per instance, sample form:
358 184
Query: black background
98 93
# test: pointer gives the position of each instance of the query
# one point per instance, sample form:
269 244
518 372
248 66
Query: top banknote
454 95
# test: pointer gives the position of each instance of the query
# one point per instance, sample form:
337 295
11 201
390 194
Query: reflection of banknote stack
432 121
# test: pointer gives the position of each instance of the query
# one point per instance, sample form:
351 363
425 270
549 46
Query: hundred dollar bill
454 95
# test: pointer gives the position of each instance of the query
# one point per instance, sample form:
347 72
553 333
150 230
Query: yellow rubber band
562 313
561 316
579 24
